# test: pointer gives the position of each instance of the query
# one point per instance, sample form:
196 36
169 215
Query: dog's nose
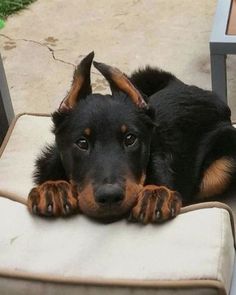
109 194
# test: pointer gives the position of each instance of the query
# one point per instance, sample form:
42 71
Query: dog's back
193 130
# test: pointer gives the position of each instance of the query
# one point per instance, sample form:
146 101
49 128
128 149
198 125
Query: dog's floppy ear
81 84
119 81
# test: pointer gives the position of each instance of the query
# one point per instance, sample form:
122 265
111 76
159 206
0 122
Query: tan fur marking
168 198
42 201
132 190
124 128
72 95
150 211
71 99
34 198
216 178
125 85
87 202
143 178
121 81
87 131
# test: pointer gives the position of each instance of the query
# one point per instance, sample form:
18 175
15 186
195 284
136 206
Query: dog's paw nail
131 218
67 208
50 209
172 212
158 214
142 217
35 209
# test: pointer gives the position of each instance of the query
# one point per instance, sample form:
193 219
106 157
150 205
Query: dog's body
193 131
151 143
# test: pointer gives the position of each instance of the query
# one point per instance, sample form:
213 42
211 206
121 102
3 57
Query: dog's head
104 141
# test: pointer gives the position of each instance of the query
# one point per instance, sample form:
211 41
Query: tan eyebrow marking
87 131
124 128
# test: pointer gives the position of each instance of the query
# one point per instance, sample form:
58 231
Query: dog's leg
53 198
156 204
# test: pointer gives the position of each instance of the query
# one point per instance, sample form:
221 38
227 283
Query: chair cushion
192 254
27 136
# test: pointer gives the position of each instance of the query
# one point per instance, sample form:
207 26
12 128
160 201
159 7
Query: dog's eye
82 143
130 139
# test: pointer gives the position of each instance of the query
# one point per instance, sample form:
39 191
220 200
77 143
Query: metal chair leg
6 109
219 75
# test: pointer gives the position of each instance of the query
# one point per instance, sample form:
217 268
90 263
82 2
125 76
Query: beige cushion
19 151
193 253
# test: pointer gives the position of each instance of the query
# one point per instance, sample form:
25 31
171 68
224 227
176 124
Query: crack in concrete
40 44
49 49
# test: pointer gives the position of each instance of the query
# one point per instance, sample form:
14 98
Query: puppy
152 145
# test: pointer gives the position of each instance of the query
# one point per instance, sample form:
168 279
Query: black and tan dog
142 151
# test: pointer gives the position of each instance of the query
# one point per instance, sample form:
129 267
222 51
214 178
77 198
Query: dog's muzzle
108 202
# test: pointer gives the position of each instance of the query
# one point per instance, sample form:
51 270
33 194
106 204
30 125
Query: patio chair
192 254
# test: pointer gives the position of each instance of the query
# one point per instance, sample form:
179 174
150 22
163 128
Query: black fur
184 131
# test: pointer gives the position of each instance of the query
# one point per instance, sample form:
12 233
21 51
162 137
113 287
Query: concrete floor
41 44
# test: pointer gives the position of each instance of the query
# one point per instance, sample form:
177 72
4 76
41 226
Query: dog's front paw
156 204
53 198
